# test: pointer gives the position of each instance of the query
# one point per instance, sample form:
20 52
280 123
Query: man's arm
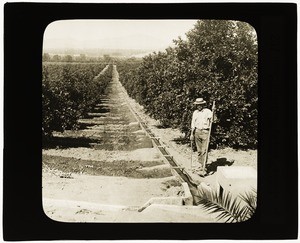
209 115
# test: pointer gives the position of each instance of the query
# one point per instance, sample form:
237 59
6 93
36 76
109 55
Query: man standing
200 125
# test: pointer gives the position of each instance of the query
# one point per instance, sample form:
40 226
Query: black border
277 212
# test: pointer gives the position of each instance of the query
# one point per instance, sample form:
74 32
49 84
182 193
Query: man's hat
199 101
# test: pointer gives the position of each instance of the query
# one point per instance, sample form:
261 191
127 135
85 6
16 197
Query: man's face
200 107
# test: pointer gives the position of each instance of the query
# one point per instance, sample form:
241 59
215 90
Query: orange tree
68 93
217 61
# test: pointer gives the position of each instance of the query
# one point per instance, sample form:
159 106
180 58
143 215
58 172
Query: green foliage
226 207
68 93
218 62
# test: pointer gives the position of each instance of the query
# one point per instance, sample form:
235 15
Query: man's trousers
201 139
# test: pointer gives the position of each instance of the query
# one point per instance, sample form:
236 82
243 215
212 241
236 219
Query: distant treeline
75 58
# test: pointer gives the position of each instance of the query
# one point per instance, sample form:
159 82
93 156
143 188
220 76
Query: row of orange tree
216 61
69 91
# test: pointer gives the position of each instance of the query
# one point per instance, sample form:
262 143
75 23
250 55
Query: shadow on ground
212 167
181 140
68 142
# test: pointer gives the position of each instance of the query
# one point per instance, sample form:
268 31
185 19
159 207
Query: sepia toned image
149 121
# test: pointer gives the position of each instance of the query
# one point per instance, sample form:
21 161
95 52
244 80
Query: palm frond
227 207
250 198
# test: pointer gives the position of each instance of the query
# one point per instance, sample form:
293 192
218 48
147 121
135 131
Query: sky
115 34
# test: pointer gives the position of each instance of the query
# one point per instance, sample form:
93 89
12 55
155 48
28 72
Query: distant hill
98 52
